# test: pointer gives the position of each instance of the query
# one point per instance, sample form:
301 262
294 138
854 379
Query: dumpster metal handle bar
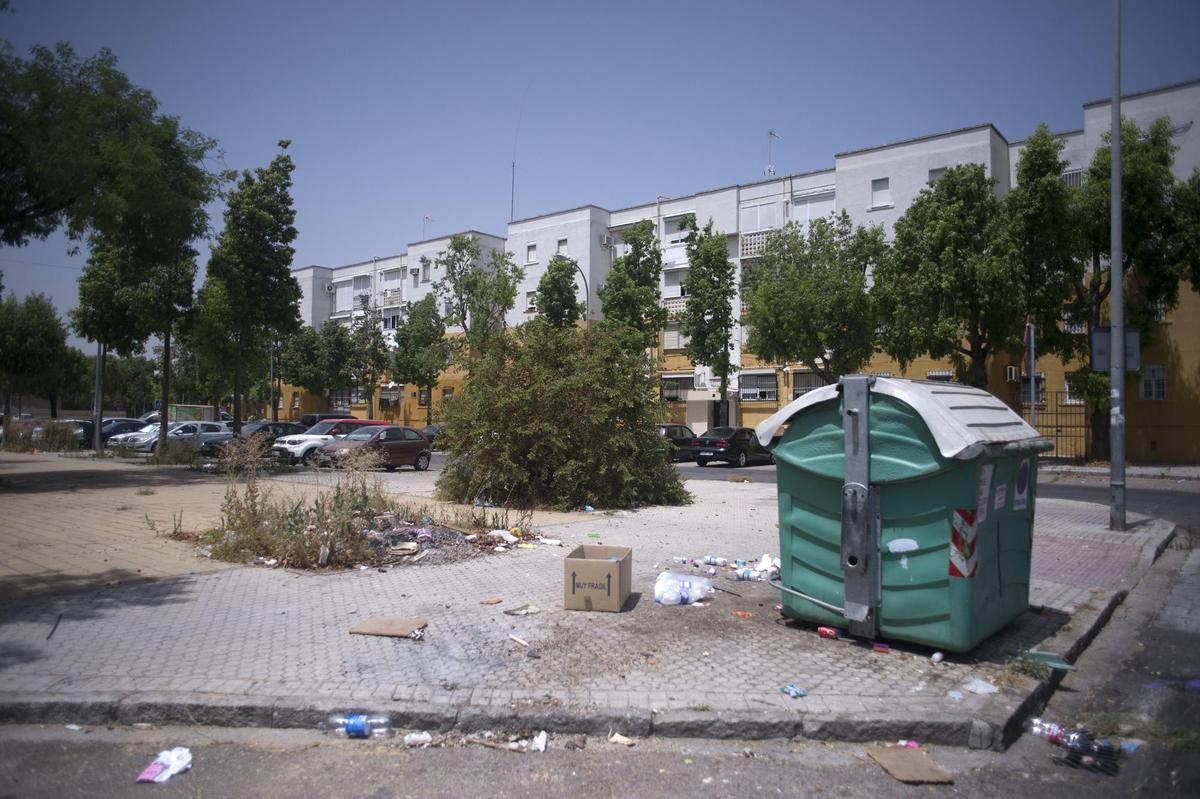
812 599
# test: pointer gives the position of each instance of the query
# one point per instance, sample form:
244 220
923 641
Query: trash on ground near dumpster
957 696
168 763
880 646
1078 748
1131 745
390 626
523 610
742 614
795 693
910 766
539 742
597 577
519 640
357 725
1049 658
979 686
504 535
73 727
824 632
418 739
681 589
618 738
937 657
495 601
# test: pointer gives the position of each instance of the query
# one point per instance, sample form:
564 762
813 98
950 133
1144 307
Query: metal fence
1061 418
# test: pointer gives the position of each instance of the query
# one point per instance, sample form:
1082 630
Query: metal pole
1033 392
587 297
97 401
1116 419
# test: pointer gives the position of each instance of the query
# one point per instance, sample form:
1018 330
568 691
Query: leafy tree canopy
632 296
422 352
707 319
556 301
477 294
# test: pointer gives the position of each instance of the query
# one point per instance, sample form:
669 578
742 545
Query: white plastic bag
681 589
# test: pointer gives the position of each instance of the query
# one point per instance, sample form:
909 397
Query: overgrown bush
561 418
54 437
173 453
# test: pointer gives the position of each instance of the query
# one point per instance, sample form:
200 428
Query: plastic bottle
744 574
680 589
357 725
713 560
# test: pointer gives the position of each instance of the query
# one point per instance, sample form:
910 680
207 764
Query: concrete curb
1146 472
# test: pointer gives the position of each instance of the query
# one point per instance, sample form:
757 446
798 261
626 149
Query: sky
399 111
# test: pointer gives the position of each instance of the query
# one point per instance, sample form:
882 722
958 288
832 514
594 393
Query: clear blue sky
398 110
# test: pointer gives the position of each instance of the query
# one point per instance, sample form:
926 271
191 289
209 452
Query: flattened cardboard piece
391 626
597 577
911 766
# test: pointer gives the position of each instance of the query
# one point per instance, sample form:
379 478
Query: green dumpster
905 509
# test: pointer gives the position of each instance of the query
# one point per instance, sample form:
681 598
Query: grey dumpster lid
963 420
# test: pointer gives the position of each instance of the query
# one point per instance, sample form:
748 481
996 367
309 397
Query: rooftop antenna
512 186
770 170
424 219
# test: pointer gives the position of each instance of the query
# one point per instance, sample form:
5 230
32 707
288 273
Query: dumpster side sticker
983 492
1021 489
963 561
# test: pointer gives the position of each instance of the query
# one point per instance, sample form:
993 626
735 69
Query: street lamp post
587 297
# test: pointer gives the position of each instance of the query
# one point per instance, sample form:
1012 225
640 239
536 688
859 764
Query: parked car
679 438
267 431
736 445
310 419
126 439
431 432
82 431
303 447
118 425
397 446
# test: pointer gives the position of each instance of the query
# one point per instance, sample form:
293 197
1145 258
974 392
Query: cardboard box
597 578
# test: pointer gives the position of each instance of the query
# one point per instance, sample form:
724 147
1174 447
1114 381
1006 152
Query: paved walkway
247 645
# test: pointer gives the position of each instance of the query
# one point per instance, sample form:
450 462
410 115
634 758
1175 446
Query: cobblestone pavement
247 635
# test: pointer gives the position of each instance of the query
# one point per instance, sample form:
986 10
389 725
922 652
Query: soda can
827 632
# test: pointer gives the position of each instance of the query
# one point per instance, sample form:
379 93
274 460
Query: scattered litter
908 744
524 610
526 546
978 686
1131 745
957 696
825 632
911 766
270 563
500 548
73 727
418 739
618 738
495 601
593 535
323 555
550 542
1079 749
1049 658
168 763
779 609
55 627
539 742
742 614
519 641
588 509
391 627
879 646
357 725
795 693
404 548
681 589
504 535
937 657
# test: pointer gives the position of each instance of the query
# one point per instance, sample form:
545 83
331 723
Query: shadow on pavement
16 482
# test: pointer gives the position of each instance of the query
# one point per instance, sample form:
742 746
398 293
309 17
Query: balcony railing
674 305
752 244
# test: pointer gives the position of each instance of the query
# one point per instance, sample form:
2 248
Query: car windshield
150 428
320 429
720 432
361 434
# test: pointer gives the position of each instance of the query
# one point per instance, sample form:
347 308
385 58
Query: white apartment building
874 185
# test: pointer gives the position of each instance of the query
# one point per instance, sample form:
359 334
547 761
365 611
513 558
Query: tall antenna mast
770 170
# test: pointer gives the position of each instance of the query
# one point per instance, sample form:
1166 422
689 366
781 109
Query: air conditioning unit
1012 374
330 288
606 240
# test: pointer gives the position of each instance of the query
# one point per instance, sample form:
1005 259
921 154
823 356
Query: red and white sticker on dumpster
963 561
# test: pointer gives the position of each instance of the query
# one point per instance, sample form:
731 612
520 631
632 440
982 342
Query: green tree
422 352
86 149
252 259
130 379
33 340
556 301
632 296
317 359
1039 219
69 384
559 417
370 354
707 318
808 299
1185 245
477 294
953 286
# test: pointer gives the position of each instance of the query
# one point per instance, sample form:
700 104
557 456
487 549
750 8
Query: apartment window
389 397
447 393
804 382
881 193
295 400
1073 327
1037 385
343 296
392 279
561 247
1158 310
531 253
936 174
391 318
759 217
530 301
423 398
1154 382
416 276
447 310
673 338
1073 177
339 400
362 285
675 389
758 387
1073 386
424 270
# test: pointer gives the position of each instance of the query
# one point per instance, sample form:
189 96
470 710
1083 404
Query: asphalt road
1175 500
